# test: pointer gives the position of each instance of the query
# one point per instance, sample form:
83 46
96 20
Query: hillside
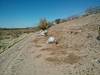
77 51
10 36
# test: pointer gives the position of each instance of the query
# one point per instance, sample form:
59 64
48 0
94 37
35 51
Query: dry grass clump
59 55
58 52
54 60
38 45
40 40
35 40
70 59
43 24
55 50
38 56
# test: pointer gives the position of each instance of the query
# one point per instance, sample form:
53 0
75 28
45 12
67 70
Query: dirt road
12 59
26 58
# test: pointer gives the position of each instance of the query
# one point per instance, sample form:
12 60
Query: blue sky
27 13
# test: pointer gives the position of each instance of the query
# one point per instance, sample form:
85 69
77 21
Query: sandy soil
78 53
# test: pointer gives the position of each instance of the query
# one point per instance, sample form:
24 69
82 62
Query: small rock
51 40
98 61
98 38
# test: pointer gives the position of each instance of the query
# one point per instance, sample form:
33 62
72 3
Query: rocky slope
77 51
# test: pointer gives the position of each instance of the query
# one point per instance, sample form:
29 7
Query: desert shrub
43 24
73 17
63 20
57 21
1 37
98 37
92 10
50 24
15 34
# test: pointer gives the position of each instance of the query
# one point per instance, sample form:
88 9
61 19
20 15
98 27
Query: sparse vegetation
77 48
92 10
43 24
73 17
8 37
98 37
70 59
57 21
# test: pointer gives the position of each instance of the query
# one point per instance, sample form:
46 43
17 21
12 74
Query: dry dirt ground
77 51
